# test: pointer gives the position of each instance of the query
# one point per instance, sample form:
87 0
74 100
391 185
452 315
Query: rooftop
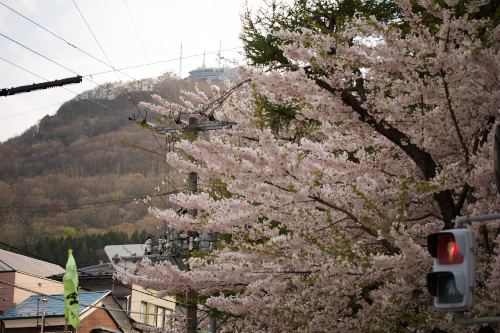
10 261
32 307
91 272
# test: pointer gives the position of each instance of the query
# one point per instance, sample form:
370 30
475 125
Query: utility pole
44 300
191 303
192 184
173 246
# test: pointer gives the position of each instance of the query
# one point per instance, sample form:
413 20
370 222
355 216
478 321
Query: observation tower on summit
214 74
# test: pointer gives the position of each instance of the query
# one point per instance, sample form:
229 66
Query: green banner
70 282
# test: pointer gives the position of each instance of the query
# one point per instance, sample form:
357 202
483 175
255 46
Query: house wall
15 295
140 295
119 290
6 291
98 318
38 284
38 329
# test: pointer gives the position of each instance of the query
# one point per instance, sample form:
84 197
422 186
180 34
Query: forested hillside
88 250
71 175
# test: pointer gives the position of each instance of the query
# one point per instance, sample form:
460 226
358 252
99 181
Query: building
151 310
101 277
22 277
99 312
145 307
214 74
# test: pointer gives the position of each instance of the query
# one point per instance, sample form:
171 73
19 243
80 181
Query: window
144 310
154 315
154 318
161 317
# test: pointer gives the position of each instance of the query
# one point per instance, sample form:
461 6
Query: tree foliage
327 231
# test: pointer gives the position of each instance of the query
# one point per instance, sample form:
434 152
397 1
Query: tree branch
421 158
453 117
424 217
384 242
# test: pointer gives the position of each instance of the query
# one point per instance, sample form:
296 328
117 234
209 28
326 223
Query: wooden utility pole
191 132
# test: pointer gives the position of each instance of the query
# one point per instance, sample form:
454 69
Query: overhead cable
76 206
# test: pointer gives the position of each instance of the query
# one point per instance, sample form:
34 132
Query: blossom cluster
326 226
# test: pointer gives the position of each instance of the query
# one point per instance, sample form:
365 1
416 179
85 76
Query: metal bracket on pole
459 222
461 320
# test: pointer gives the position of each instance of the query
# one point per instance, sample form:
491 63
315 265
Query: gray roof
31 307
18 262
96 271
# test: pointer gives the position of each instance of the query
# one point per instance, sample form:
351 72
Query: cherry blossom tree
323 223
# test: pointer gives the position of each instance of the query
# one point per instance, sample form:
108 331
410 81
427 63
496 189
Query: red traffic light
452 282
448 253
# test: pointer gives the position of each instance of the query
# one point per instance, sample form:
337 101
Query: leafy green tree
261 46
69 231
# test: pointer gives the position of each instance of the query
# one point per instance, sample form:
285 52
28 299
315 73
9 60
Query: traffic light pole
461 320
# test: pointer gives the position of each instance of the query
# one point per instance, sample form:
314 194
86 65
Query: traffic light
453 279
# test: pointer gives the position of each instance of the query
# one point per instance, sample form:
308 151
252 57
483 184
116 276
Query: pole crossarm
40 86
209 126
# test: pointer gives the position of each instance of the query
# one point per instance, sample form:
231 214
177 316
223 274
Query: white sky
200 25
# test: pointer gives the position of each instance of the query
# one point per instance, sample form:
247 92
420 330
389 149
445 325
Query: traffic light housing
452 282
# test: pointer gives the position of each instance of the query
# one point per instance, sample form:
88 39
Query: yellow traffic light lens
448 253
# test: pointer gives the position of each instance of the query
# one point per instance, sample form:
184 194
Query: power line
87 305
109 62
163 61
160 146
20 114
41 55
24 69
135 103
24 46
109 65
50 32
76 206
130 97
140 40
92 33
67 42
85 273
88 54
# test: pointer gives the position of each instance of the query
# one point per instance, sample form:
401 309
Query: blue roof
32 307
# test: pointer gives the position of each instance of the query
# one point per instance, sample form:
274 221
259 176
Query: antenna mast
180 64
220 51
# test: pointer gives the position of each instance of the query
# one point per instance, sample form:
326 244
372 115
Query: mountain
72 174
